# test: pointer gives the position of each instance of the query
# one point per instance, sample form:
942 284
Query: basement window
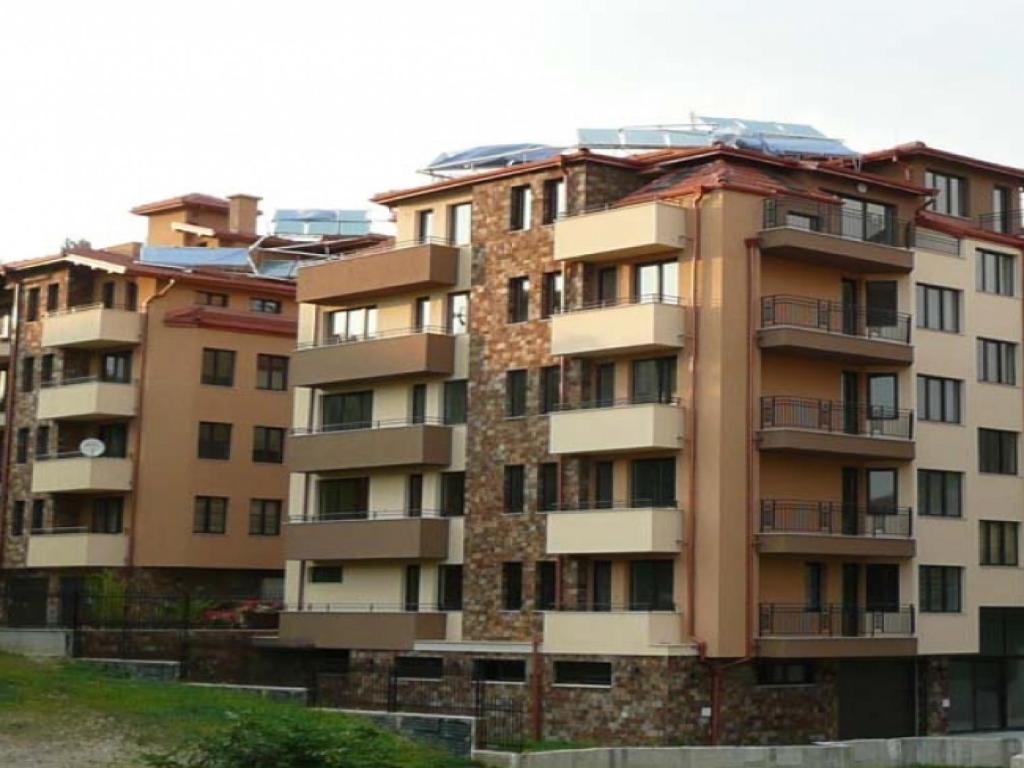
785 673
325 574
419 667
500 670
596 673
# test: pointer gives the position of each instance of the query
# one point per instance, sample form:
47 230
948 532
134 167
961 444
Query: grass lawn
54 711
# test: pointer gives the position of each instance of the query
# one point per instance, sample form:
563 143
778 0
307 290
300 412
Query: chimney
242 213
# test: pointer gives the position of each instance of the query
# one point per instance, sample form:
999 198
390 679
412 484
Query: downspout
137 442
9 412
752 413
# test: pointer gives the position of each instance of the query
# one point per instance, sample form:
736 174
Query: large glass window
515 489
997 451
656 282
453 494
551 294
996 273
938 309
457 320
546 594
555 200
460 220
939 493
940 588
550 388
998 539
865 220
268 445
519 299
651 585
997 361
352 324
653 483
883 398
455 402
272 372
521 207
449 587
654 380
107 514
938 399
950 193
218 367
211 514
264 517
214 440
881 486
547 486
344 498
346 410
515 393
117 366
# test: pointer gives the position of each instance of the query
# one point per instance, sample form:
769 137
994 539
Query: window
785 673
268 445
218 367
115 437
547 486
866 220
414 495
938 309
951 193
939 493
264 517
607 286
814 586
650 585
108 515
42 440
38 515
499 670
346 410
656 282
116 367
997 451
521 211
18 519
654 380
457 319
108 295
28 374
460 220
998 542
421 314
455 402
272 372
208 299
453 494
653 483
325 574
211 514
344 499
46 370
52 297
214 440
598 673
804 221
997 361
449 587
883 395
938 399
940 588
511 586
547 586
268 306
131 296
515 489
550 388
418 404
515 393
519 299
551 294
21 445
424 225
32 305
419 667
996 273
352 324
555 200
412 588
604 385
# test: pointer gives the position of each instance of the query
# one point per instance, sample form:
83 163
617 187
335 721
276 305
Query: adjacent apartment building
146 412
690 445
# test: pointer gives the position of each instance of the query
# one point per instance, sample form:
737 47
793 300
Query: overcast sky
104 105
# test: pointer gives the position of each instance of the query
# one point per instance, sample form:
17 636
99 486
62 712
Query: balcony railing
68 381
625 301
633 606
373 514
61 455
359 426
781 620
836 417
1008 222
617 402
835 317
356 338
834 518
833 219
600 505
332 607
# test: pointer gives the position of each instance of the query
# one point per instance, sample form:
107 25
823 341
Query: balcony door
851 500
604 385
882 303
851 599
601 585
851 402
603 498
656 282
883 400
654 380
653 483
882 582
882 497
650 585
347 410
412 588
607 286
850 307
344 499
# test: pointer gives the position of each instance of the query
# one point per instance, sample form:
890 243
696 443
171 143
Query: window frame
263 449
1007 455
949 395
598 674
995 272
924 318
455 407
1001 555
951 189
264 305
262 511
552 293
271 370
946 600
448 507
925 503
518 299
520 217
516 393
512 585
213 362
204 515
514 489
1005 353
207 447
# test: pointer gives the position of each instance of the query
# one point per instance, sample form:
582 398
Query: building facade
686 446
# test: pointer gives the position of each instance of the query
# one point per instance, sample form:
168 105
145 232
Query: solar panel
321 221
175 256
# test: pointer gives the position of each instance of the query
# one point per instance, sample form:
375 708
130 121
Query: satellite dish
91 447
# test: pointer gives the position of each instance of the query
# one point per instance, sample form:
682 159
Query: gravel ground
83 745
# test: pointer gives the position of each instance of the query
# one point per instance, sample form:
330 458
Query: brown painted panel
835 647
366 631
411 445
856 546
835 443
412 538
416 354
834 251
377 274
836 346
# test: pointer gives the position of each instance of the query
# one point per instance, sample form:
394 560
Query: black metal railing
834 518
391 333
781 620
833 219
835 317
1008 222
355 426
828 416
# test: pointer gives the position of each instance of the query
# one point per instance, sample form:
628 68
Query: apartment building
147 412
705 444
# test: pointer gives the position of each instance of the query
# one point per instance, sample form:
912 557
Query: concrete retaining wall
952 751
276 692
138 669
448 732
36 642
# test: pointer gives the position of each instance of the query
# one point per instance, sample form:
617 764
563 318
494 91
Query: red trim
229 320
920 149
956 229
191 200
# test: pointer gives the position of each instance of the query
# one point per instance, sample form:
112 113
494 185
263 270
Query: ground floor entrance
876 698
987 691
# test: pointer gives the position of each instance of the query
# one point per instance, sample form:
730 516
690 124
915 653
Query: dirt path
85 745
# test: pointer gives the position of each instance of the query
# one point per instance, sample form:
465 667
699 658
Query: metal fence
827 416
835 317
781 620
832 517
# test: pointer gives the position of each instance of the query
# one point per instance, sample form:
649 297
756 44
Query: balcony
792 527
76 548
833 631
1008 222
367 627
87 398
368 445
827 329
367 536
609 234
634 326
427 352
626 632
825 234
92 326
807 425
398 268
616 427
75 473
616 528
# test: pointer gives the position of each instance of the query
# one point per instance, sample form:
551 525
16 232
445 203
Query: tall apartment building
147 412
679 446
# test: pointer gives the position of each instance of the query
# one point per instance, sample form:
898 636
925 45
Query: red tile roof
962 228
231 320
191 200
920 149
